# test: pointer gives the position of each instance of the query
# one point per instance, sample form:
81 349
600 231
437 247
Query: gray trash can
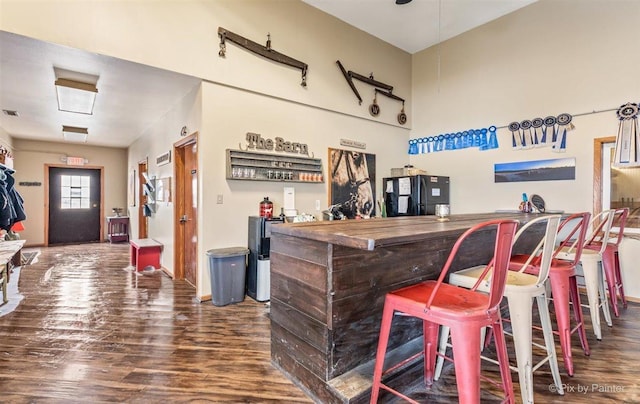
227 268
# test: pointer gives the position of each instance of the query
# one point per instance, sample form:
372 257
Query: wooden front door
186 209
74 205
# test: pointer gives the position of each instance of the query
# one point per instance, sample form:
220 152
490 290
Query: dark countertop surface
367 234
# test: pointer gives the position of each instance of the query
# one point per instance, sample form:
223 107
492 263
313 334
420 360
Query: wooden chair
464 311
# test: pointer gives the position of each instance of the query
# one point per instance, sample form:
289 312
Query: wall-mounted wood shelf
255 166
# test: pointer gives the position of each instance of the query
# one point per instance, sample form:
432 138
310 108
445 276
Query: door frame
179 204
598 145
46 196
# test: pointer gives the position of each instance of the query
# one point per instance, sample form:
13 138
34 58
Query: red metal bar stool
520 292
611 258
590 268
564 285
464 311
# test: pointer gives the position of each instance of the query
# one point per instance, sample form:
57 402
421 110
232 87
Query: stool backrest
505 233
619 221
572 234
600 228
546 246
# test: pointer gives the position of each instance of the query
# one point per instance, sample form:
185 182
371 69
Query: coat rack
264 51
380 88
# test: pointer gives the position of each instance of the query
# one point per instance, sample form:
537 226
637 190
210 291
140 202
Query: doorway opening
74 203
186 209
614 187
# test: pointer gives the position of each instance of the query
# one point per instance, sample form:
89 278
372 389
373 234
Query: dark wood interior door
75 196
190 215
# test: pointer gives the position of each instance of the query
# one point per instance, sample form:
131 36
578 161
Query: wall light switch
317 204
220 200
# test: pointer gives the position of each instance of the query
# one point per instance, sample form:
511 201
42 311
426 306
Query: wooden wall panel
312 331
305 249
314 386
304 289
285 343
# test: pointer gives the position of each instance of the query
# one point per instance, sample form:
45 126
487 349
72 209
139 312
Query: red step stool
145 252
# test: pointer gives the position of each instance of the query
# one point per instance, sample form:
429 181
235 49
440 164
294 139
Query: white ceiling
419 24
131 96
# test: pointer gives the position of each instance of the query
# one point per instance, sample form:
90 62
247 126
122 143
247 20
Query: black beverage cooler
259 269
415 195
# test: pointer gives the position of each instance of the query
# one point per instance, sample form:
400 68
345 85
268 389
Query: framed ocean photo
537 170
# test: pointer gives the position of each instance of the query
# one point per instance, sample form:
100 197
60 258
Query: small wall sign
164 158
353 143
30 184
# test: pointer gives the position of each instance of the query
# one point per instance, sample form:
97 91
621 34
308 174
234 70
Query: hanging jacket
11 202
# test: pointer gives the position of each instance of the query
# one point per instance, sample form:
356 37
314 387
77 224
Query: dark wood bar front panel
328 282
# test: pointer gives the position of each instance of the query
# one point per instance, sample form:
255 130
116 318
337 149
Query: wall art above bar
538 170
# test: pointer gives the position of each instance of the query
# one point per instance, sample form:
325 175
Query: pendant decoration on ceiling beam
264 51
627 149
380 88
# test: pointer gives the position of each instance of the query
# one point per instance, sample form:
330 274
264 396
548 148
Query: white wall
182 37
241 93
548 58
228 114
156 140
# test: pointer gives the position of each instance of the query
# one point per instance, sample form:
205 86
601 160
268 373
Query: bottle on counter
266 208
525 205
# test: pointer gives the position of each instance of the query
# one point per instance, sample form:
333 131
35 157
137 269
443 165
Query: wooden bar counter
328 282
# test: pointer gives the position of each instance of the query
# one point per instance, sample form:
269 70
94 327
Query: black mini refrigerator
415 195
259 268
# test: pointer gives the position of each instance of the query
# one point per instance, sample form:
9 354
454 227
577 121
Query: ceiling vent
10 112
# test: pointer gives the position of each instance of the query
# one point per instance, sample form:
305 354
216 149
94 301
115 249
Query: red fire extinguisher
266 208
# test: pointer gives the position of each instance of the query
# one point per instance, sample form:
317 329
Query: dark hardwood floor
89 331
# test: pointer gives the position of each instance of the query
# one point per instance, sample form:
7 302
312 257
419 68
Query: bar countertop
368 234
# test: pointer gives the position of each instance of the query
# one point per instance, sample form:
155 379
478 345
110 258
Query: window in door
75 191
620 187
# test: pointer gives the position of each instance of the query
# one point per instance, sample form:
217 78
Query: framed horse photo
353 183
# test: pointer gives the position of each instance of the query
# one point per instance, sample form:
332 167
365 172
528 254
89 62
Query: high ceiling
132 96
419 24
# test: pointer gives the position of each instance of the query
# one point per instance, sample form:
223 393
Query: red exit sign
75 161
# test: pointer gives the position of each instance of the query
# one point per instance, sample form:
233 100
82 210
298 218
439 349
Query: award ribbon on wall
516 138
627 150
537 131
549 131
564 125
527 134
413 146
484 139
